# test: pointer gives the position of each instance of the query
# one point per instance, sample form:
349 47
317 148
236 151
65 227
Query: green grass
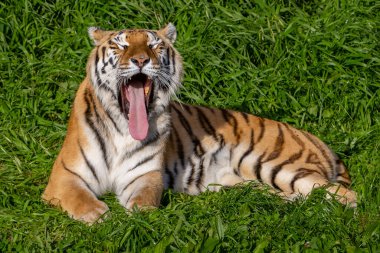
313 64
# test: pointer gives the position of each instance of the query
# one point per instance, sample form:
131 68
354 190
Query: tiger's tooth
146 90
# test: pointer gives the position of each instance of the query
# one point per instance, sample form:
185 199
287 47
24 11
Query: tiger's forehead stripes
121 39
123 36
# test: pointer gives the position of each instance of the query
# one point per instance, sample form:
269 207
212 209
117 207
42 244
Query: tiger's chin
135 97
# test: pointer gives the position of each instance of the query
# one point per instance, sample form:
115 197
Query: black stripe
111 62
184 122
99 138
246 153
145 160
108 89
199 151
103 68
278 147
154 35
344 183
221 146
190 177
245 116
170 176
232 121
134 180
292 159
262 129
98 79
343 175
99 120
175 169
95 115
147 142
187 108
279 167
302 172
205 123
312 158
79 176
89 165
199 179
166 59
340 174
236 172
112 120
322 150
173 61
96 58
340 163
104 55
180 152
258 166
294 136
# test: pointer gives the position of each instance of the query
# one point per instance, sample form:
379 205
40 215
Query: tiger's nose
140 60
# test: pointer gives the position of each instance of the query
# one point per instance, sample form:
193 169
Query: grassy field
313 64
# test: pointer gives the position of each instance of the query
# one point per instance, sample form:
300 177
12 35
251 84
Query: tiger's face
140 69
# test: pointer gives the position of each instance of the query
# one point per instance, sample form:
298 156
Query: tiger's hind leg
304 183
343 195
144 192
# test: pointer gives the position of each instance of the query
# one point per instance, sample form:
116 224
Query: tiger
125 135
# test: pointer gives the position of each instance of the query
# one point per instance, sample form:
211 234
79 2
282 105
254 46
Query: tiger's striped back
215 146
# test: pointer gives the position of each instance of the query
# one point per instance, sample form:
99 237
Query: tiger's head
138 70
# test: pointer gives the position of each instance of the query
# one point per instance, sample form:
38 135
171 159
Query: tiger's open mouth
134 103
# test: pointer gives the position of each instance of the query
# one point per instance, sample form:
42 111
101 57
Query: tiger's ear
169 32
97 34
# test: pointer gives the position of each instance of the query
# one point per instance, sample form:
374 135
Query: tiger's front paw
90 213
140 205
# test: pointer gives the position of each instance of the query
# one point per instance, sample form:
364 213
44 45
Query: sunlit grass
313 64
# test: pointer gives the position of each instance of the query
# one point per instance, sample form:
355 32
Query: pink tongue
138 119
